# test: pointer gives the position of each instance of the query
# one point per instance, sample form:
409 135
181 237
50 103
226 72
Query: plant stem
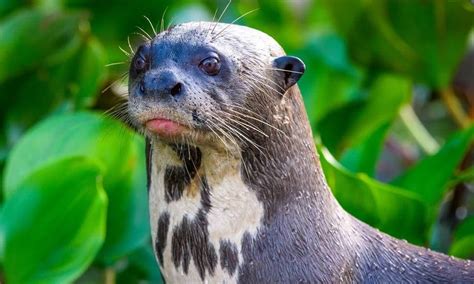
109 275
427 143
454 107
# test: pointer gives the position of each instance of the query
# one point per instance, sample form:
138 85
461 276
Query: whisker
221 130
228 25
284 70
282 92
124 51
251 114
220 17
162 24
210 24
253 118
130 46
261 89
142 35
267 85
151 25
243 136
116 108
245 124
217 135
115 63
119 112
145 33
170 24
231 140
121 78
215 14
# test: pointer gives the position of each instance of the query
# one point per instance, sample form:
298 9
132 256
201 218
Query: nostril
142 87
176 89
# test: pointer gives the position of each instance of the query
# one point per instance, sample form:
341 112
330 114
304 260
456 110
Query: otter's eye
210 65
139 64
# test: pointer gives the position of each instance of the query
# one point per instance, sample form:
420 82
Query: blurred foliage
393 129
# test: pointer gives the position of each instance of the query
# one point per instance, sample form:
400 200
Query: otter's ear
290 69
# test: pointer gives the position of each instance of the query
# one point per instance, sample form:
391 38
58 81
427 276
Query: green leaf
422 39
387 94
73 84
86 134
56 37
354 122
463 243
331 81
61 77
464 176
430 176
128 232
103 139
393 210
363 157
91 73
54 223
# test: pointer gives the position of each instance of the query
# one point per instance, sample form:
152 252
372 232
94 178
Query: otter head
206 83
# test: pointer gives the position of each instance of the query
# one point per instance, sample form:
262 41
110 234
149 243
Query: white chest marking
235 210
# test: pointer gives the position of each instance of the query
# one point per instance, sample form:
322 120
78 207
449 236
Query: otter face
191 82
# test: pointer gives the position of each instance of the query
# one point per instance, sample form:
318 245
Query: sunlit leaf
330 80
91 73
103 139
352 123
463 243
54 223
430 176
393 210
128 232
363 157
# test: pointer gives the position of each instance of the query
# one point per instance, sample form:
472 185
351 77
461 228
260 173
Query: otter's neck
285 170
208 207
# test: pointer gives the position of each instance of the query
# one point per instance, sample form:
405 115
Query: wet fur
203 186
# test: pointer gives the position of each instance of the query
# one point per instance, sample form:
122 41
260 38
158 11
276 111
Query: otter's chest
198 220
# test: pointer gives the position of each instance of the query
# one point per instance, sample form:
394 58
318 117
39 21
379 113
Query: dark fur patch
205 195
161 234
148 155
178 178
191 239
229 256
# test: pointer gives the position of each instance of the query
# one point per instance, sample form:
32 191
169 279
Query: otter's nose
161 84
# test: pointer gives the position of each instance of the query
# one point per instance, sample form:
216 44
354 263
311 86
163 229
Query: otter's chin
165 128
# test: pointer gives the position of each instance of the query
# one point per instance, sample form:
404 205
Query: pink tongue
164 127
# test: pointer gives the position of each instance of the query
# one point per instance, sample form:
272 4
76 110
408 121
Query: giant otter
236 190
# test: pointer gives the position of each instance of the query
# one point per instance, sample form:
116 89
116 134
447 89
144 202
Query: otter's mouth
165 127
